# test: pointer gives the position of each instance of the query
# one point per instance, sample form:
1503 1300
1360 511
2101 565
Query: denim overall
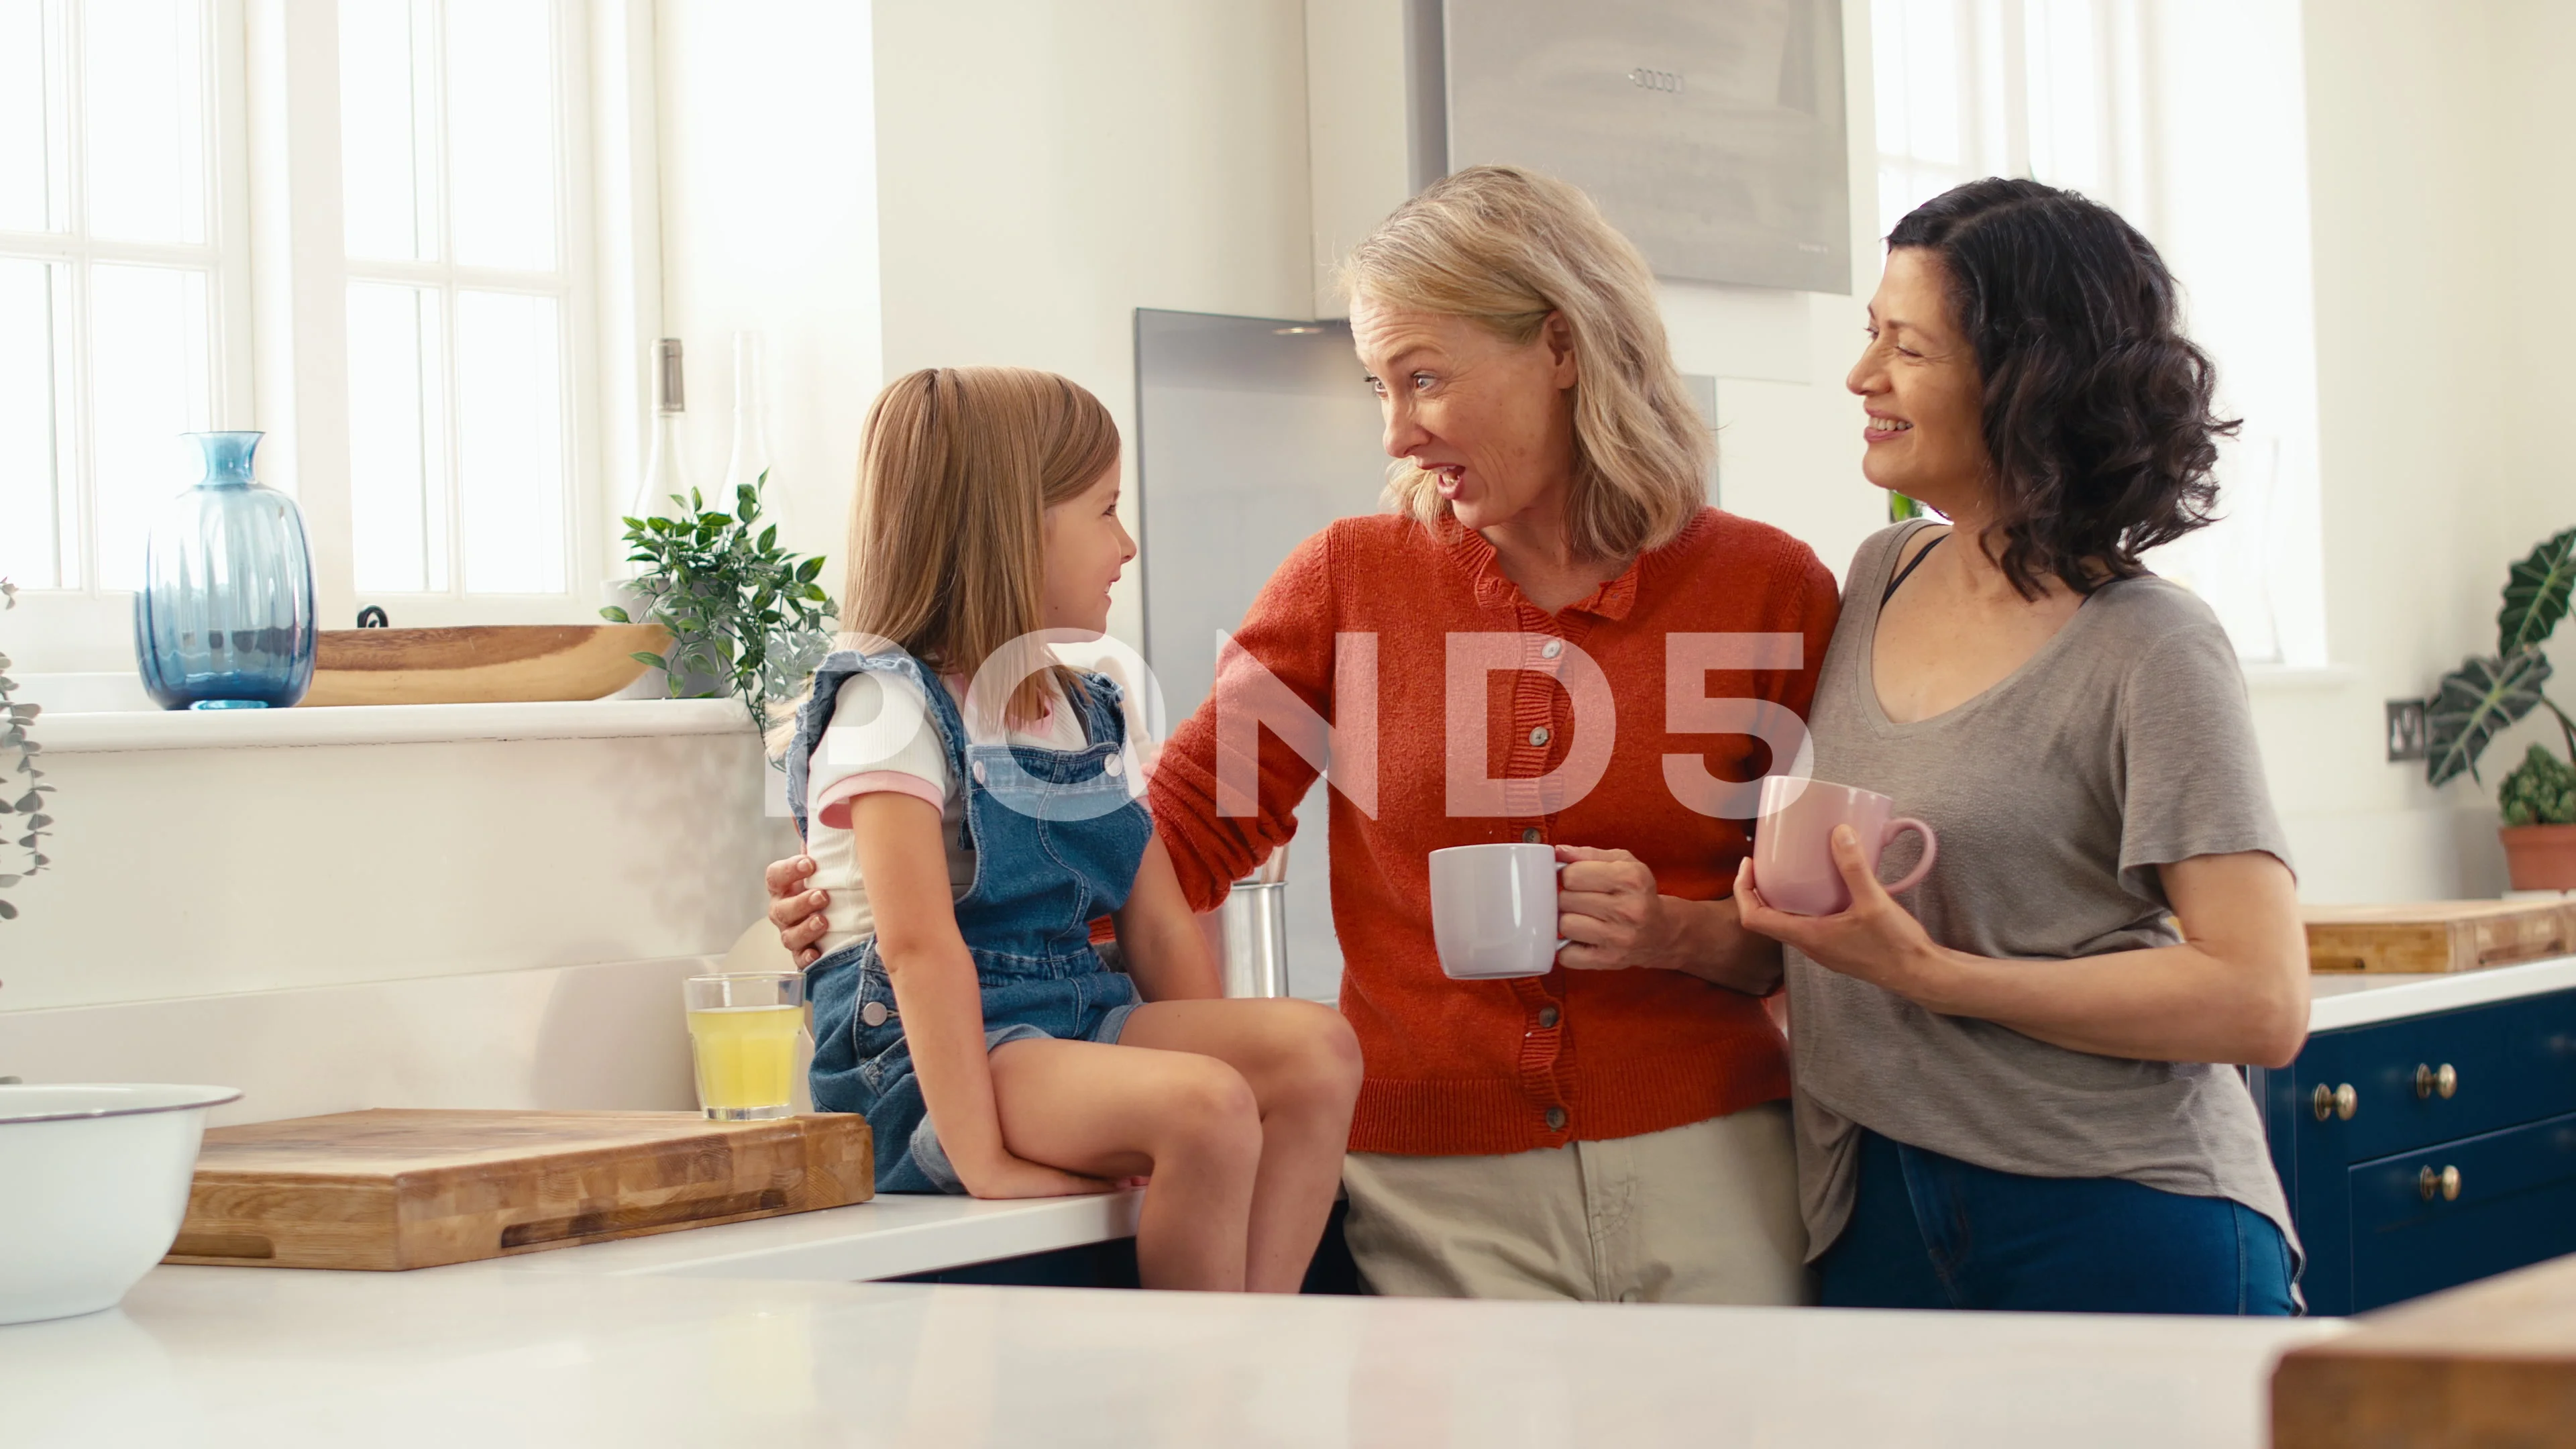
1057 839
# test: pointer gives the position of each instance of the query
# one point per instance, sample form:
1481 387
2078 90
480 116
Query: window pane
143 119
31 523
2065 94
26 102
397 497
1916 43
387 124
148 385
509 443
501 132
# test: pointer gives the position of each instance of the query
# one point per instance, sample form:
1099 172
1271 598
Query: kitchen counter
893 1235
278 1359
2343 999
902 1234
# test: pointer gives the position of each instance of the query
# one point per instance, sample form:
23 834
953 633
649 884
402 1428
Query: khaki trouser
1706 1213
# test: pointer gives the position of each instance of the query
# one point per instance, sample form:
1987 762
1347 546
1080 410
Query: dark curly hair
2097 409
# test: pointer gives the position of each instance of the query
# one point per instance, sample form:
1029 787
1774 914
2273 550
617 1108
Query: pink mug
1793 857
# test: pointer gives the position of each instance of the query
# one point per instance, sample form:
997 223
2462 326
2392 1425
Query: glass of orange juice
742 1033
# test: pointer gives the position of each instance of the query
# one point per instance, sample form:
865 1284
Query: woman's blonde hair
1506 248
947 544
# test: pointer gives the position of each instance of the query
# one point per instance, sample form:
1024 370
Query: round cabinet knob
2446 1182
2439 1081
2337 1101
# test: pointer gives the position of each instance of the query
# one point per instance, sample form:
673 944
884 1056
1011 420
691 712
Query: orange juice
746 1058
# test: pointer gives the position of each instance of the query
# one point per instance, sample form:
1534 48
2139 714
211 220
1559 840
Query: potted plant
746 617
2489 693
18 751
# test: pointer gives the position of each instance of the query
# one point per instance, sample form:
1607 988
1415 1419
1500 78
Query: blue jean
1929 1231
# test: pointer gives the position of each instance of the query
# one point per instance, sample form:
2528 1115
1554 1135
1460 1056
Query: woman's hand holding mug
1611 914
1872 937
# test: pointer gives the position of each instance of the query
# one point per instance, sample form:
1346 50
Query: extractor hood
1711 132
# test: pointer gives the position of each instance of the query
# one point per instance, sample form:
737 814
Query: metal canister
1252 931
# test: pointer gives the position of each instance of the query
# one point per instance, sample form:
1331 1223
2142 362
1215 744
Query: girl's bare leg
1303 1067
1190 1121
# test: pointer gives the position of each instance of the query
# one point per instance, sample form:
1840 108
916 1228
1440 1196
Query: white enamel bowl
93 1184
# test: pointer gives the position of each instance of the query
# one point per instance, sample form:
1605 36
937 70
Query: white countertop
2357 998
279 1359
891 1236
115 731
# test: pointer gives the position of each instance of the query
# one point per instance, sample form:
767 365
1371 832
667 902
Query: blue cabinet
2427 1151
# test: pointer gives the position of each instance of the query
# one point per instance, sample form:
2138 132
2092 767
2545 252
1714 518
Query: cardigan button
1539 736
1556 1119
1548 1016
1530 836
1551 649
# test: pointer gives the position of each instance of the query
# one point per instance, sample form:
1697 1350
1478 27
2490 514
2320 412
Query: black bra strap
1908 571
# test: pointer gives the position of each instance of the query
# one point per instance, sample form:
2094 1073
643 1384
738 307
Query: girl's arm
938 997
2235 990
1166 952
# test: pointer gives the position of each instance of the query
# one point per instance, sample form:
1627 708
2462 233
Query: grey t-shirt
2124 743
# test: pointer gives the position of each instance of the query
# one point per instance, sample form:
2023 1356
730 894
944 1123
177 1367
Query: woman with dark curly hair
2017 1094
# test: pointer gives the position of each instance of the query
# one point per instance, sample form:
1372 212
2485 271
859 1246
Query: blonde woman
1616 1129
966 806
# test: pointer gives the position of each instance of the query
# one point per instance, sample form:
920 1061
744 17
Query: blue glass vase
224 619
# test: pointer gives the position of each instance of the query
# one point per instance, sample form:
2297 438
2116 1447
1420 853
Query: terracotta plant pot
2540 857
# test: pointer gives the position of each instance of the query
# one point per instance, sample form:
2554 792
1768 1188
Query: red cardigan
1505 1066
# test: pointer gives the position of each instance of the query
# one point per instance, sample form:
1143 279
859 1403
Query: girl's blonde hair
947 543
1506 248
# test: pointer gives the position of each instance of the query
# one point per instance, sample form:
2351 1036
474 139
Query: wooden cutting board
485 664
2438 936
413 1189
2490 1365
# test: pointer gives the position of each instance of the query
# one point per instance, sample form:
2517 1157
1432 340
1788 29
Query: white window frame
308 38
279 329
88 625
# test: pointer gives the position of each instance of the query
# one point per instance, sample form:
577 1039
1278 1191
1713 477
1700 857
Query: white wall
1047 168
769 224
2428 123
354 921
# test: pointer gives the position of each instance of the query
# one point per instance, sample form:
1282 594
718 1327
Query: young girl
970 810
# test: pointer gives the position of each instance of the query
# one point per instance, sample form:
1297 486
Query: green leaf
2540 791
768 537
746 501
810 570
655 660
2475 704
615 615
2536 595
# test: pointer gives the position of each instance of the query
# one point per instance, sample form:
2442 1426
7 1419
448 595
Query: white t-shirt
882 737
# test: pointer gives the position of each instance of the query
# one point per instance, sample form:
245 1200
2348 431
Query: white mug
1493 910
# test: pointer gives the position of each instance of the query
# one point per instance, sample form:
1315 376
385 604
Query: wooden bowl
486 665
